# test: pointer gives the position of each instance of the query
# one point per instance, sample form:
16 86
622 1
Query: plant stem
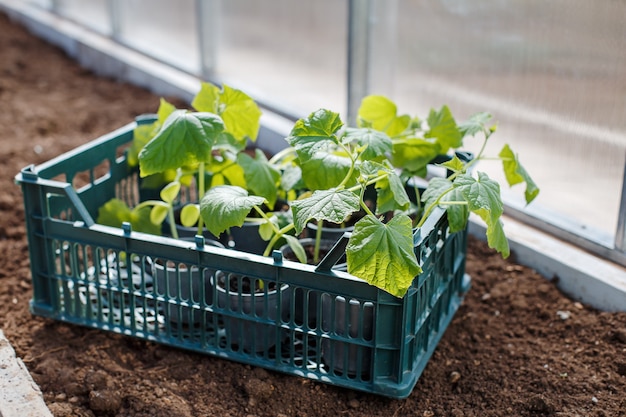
201 187
170 217
430 208
318 239
279 155
276 237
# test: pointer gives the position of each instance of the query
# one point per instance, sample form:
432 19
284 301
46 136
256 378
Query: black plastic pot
185 287
248 310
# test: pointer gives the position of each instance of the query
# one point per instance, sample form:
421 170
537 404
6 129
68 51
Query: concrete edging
19 395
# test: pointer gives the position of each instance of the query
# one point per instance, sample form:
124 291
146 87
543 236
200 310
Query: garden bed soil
517 346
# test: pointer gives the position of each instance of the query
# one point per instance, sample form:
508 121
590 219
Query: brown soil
517 346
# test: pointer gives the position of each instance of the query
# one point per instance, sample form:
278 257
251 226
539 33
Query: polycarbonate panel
46 4
551 72
93 13
292 52
163 29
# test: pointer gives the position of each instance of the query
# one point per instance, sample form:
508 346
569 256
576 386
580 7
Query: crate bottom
296 352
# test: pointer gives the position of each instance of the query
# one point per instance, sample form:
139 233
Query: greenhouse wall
550 72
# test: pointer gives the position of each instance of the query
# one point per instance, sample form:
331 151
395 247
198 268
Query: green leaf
240 113
185 139
391 194
477 123
515 173
226 206
291 178
482 195
380 113
189 215
442 126
454 164
382 254
326 170
227 172
296 247
144 133
261 177
414 154
442 190
378 144
315 133
207 99
115 212
266 231
497 240
331 205
169 193
159 213
164 111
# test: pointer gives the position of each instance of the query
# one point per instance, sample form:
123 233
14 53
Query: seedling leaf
315 133
325 170
477 123
229 206
260 176
483 197
378 144
515 173
185 139
159 212
442 189
331 205
240 113
169 193
296 247
189 215
382 254
443 127
414 154
380 113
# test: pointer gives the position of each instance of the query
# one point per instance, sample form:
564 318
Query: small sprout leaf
297 248
454 164
159 213
169 193
189 215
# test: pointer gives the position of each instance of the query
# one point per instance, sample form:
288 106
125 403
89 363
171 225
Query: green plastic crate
318 322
